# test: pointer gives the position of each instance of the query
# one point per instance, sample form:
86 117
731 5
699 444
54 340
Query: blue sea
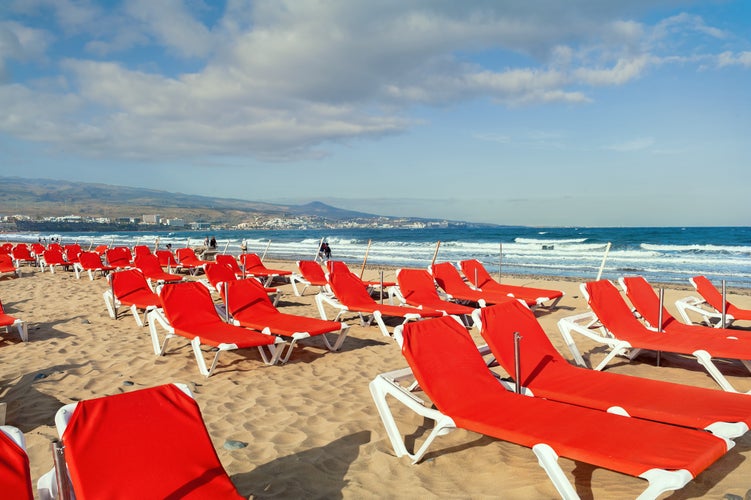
661 254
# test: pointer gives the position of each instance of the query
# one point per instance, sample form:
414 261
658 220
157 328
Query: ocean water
661 254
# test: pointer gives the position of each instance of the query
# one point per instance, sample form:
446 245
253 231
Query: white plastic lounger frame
390 384
113 305
588 325
709 315
21 327
305 335
326 298
156 316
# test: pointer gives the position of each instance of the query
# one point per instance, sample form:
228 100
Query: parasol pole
517 363
225 247
604 258
659 318
500 260
266 250
435 254
364 260
724 313
318 249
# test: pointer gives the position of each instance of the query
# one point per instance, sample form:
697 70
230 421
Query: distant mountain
54 198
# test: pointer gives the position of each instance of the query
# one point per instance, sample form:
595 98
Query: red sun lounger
149 265
250 306
417 288
452 374
451 282
148 443
253 266
546 374
311 274
188 311
709 305
350 294
91 262
130 289
646 302
7 321
188 260
611 323
478 276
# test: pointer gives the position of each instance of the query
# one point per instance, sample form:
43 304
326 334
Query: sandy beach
310 425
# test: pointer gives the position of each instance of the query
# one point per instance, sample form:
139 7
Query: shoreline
310 426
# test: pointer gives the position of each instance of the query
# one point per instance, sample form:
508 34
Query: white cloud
281 79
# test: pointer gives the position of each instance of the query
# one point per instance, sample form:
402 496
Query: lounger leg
206 372
134 311
379 321
705 359
109 301
548 460
23 330
154 319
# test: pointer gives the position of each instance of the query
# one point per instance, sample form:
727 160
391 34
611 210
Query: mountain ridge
38 198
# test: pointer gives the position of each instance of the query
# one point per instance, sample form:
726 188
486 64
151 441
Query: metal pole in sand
435 254
500 260
659 318
365 259
61 470
266 250
318 249
724 311
604 258
381 286
517 363
226 302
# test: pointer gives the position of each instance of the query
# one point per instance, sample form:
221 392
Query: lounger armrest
325 298
382 386
586 324
709 315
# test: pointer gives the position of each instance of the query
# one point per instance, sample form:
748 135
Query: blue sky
583 112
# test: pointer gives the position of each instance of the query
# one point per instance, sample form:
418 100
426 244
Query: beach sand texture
310 426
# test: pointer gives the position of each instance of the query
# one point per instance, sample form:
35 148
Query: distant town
152 222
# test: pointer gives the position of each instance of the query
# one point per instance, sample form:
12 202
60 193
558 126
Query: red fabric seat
476 274
713 296
189 309
647 304
351 292
449 369
119 257
312 272
92 263
549 375
15 473
6 265
418 289
150 443
131 289
606 302
21 253
148 264
449 279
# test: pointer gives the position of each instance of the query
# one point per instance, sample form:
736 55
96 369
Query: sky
525 112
